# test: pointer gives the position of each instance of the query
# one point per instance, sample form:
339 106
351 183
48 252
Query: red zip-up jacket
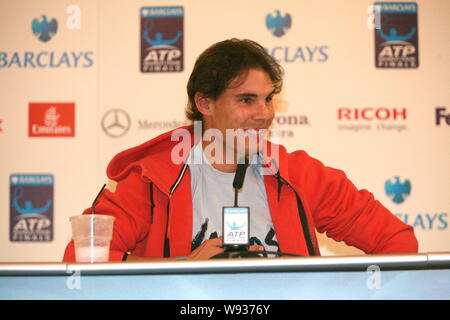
152 205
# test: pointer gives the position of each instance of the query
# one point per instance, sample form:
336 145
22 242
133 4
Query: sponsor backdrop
366 90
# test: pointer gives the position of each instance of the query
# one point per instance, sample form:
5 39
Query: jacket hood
161 159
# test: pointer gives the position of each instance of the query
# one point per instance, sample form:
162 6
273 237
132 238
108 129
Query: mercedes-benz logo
116 123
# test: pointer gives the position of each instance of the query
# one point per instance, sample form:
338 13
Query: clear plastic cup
92 234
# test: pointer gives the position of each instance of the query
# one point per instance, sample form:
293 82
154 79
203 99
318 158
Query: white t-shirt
213 189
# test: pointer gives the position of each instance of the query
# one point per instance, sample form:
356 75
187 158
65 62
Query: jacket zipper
172 190
300 208
152 203
301 213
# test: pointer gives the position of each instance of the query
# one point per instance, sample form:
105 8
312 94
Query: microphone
239 176
240 173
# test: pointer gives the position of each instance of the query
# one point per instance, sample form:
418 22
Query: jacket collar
163 160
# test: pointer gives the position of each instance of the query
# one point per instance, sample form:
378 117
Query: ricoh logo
372 118
372 114
45 29
442 116
278 23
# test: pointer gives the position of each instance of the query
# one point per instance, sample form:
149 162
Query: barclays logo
425 221
397 191
278 23
43 29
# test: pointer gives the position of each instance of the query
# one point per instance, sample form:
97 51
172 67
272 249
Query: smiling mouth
255 131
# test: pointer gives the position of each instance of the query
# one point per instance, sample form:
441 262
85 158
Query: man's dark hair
218 65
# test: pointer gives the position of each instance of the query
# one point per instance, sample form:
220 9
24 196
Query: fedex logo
442 116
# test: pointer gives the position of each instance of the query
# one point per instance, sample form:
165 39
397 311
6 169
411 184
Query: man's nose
263 110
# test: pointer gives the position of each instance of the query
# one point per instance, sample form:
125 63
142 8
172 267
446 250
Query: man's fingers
256 248
208 249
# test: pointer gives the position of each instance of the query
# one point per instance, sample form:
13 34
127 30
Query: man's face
246 104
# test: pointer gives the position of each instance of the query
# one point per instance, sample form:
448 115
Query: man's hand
212 247
206 250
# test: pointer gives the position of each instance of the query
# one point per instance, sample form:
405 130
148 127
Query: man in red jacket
171 190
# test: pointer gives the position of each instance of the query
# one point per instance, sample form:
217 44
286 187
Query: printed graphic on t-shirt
213 189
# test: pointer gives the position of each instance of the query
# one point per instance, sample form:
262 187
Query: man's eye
269 99
246 100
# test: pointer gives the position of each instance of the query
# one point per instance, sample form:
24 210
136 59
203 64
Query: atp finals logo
396 41
162 39
31 207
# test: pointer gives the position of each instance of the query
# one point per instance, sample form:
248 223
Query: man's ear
203 103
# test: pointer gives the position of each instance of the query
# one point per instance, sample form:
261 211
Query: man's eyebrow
246 95
272 93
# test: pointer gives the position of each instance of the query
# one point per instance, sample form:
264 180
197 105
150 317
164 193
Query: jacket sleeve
129 204
353 216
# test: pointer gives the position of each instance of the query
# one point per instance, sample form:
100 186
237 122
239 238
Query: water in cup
92 234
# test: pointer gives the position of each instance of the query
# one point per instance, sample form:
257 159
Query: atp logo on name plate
31 207
162 43
236 225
